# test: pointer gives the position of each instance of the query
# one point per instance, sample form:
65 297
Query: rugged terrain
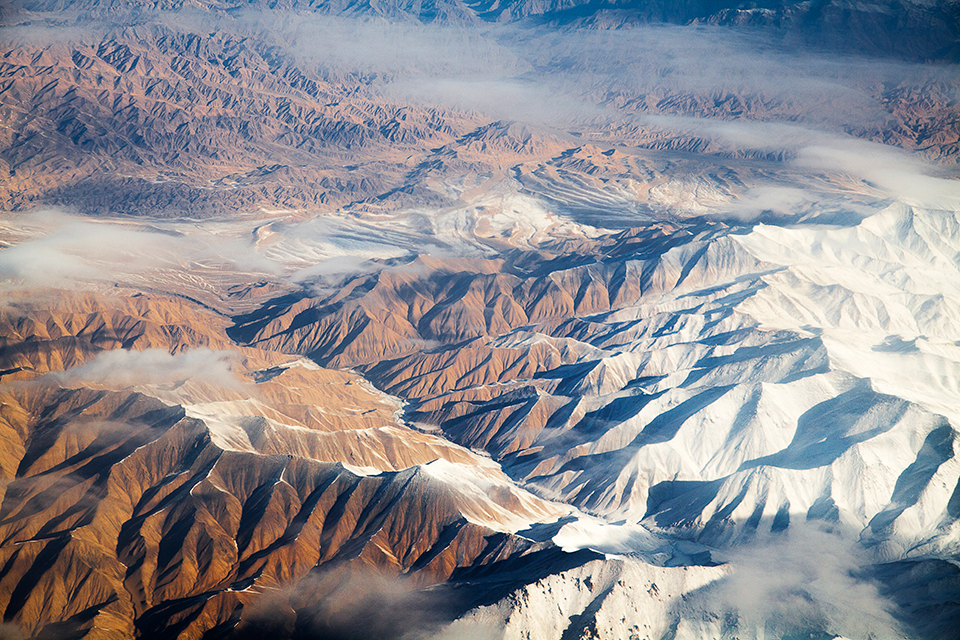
479 320
194 113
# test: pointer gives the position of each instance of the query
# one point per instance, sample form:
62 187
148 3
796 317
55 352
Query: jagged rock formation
703 382
124 515
165 116
576 341
159 532
74 327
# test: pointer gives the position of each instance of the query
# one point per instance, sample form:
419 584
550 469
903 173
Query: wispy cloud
555 76
123 368
796 104
62 251
806 579
738 86
890 171
351 603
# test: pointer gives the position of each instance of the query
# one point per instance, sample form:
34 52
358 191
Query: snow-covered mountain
479 320
727 386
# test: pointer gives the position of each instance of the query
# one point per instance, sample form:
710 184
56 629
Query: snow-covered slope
787 397
763 377
717 382
548 332
718 387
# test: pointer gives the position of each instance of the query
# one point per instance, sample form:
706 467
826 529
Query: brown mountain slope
399 310
149 118
127 515
168 117
121 517
58 331
260 401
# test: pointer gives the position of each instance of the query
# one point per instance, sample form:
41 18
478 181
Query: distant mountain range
479 320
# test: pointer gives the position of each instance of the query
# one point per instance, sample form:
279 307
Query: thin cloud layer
63 251
734 85
803 580
526 72
351 604
786 103
122 368
890 171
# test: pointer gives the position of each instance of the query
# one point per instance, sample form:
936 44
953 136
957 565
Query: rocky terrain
169 112
487 320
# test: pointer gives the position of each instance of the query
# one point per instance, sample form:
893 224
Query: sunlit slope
125 518
711 383
150 494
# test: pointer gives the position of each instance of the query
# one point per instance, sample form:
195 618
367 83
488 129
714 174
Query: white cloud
801 580
62 251
121 368
891 171
353 602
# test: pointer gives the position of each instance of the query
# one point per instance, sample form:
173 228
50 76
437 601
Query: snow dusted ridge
725 388
745 417
883 296
782 374
786 399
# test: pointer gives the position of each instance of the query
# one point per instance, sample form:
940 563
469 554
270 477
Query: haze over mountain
479 320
